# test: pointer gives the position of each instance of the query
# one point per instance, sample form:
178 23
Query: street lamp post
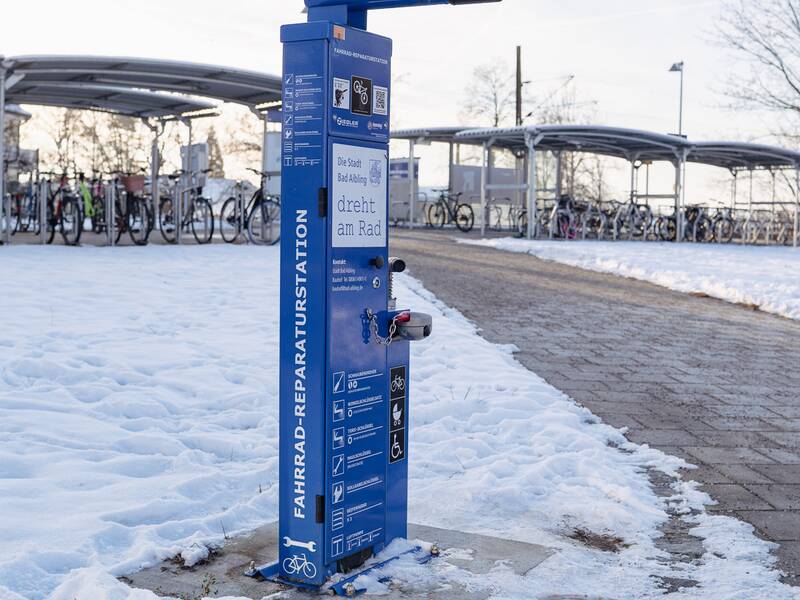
678 68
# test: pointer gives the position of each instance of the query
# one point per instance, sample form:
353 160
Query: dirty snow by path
138 421
767 277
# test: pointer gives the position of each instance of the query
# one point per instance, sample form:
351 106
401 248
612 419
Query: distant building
16 160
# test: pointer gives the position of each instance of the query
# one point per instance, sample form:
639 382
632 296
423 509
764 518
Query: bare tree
215 160
490 95
766 34
244 138
63 126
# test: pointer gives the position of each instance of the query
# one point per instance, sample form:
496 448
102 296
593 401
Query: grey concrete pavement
712 382
223 573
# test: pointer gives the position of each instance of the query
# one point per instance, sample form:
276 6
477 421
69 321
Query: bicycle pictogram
299 564
398 383
362 90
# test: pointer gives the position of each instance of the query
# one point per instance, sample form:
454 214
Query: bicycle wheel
724 230
702 230
669 229
273 211
309 570
230 220
71 221
138 222
263 223
118 223
522 224
166 220
437 215
202 220
495 218
99 216
465 217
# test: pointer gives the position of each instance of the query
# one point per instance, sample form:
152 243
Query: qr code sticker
380 101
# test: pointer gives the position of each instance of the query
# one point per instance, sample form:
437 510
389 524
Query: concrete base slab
223 573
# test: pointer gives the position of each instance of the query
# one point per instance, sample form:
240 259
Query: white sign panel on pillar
358 203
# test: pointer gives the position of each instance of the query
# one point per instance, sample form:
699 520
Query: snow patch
119 418
758 276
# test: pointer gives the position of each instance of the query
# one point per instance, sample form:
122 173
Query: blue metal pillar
344 348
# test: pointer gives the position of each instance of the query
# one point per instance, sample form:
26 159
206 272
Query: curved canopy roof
429 134
630 144
743 155
131 103
222 83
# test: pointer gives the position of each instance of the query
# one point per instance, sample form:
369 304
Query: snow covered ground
767 277
138 421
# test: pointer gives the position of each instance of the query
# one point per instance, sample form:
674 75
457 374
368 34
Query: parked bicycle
63 213
260 216
197 214
448 208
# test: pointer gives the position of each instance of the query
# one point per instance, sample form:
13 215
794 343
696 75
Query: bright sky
618 51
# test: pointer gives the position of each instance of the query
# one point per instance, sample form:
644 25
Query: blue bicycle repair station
344 345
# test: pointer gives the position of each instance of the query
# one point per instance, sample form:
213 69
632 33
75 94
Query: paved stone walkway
712 382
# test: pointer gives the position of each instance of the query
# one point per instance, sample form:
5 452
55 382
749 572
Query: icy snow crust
762 276
138 421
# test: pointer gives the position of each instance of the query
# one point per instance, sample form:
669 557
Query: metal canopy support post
450 168
633 179
772 199
796 206
533 216
188 182
6 209
412 192
155 165
44 193
485 151
111 218
559 163
677 200
264 146
553 221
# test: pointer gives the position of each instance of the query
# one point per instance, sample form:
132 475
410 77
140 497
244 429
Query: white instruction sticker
358 202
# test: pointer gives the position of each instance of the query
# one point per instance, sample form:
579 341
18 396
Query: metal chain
373 324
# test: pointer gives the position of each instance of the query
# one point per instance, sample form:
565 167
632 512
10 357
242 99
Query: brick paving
712 382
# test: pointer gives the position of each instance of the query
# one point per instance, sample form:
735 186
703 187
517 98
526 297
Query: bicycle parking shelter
153 90
634 146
